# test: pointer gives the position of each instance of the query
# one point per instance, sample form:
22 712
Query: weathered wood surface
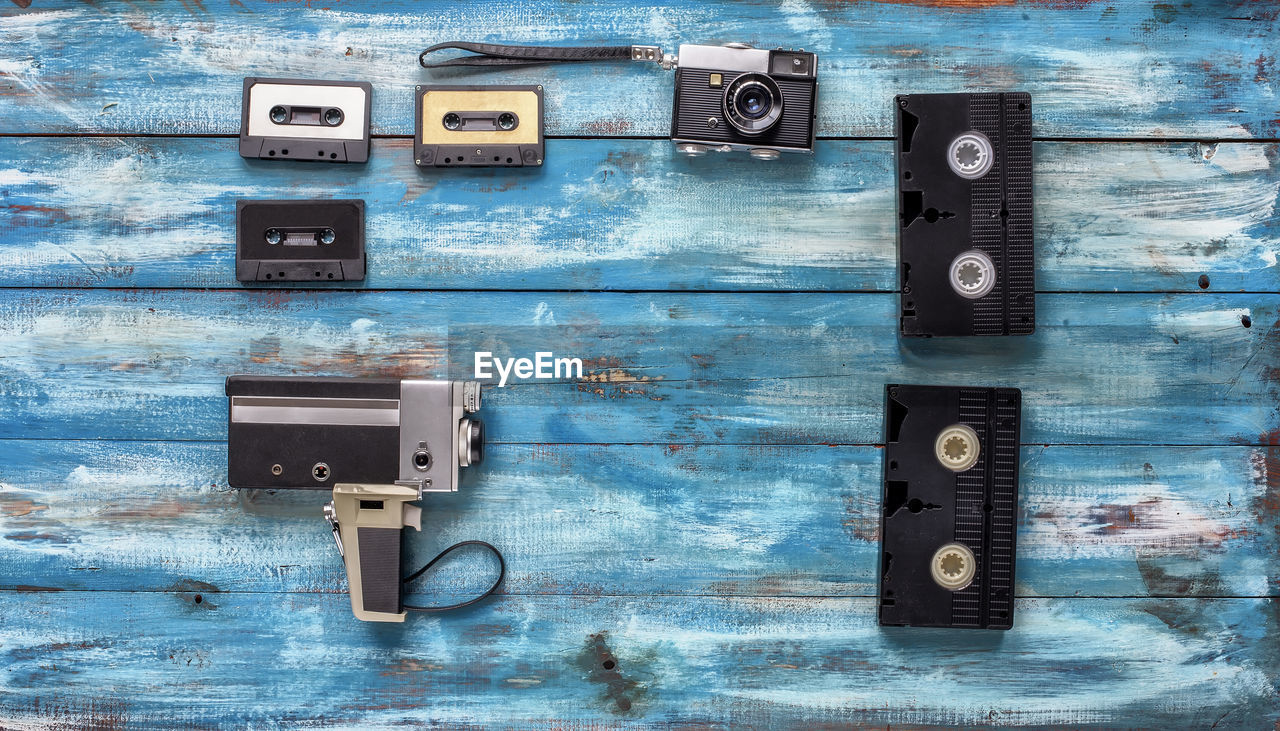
629 214
1095 69
192 658
628 519
702 511
659 368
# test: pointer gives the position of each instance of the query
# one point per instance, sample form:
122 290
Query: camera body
315 433
736 97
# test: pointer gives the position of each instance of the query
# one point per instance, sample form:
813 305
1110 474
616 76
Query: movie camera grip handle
368 522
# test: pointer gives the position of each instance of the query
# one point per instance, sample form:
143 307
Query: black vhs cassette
297 119
966 256
950 501
300 240
478 126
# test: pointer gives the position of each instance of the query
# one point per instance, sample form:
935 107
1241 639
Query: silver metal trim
331 515
738 57
295 410
430 414
733 146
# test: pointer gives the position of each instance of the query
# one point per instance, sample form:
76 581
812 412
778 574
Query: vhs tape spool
300 240
297 119
948 526
966 256
478 126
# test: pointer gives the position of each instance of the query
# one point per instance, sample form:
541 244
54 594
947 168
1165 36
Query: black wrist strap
496 54
502 572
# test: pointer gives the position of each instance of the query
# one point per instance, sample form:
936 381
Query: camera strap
496 54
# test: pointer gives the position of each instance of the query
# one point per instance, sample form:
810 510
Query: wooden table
692 531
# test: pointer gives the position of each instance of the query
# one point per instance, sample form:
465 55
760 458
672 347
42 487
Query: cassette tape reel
966 255
314 121
300 240
950 503
478 126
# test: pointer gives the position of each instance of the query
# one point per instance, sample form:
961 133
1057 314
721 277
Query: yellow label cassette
478 126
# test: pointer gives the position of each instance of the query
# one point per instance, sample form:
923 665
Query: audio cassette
950 502
296 119
966 255
299 240
478 126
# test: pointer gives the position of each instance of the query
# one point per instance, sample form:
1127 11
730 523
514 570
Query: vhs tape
478 126
300 241
315 433
297 119
950 500
966 256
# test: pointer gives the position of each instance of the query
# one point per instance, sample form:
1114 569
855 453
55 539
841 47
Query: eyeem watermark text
544 366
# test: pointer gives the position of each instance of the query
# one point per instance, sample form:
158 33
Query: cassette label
950 499
293 119
966 254
478 126
300 240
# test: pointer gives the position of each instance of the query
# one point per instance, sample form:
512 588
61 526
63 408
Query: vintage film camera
736 97
377 444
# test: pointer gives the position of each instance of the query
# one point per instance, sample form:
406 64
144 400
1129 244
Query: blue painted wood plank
149 659
658 368
627 519
626 214
1095 69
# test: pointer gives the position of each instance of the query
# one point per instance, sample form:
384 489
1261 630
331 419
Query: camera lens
333 116
752 103
477 441
506 120
452 121
279 114
470 442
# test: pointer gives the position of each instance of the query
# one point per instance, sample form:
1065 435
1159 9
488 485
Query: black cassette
965 248
950 502
478 126
297 119
299 240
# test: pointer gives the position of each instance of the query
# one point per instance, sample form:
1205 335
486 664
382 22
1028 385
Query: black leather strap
495 54
502 572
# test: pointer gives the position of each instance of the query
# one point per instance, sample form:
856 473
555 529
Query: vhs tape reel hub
970 155
957 447
972 274
953 566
